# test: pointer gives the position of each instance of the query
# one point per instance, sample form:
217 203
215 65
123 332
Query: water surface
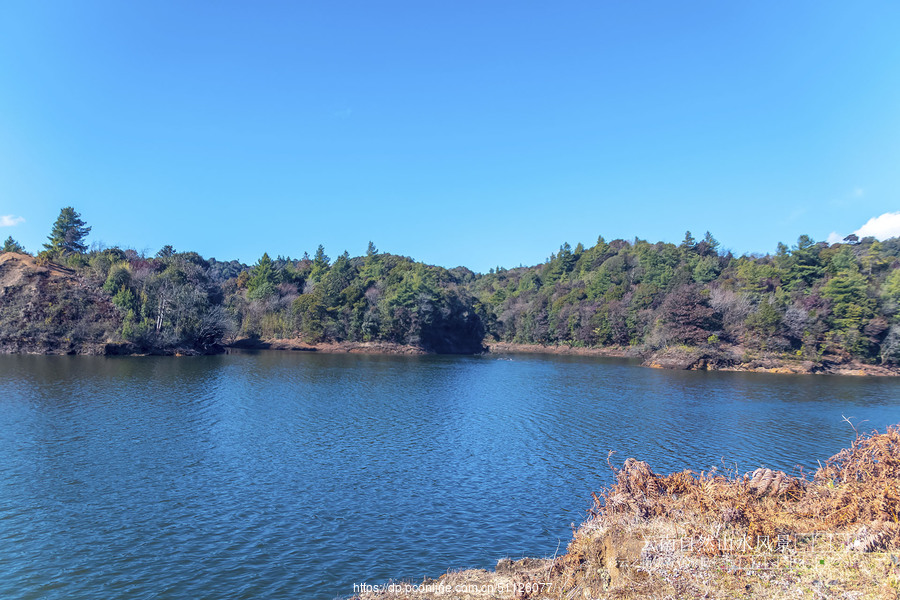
295 475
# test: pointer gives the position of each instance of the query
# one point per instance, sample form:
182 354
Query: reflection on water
295 475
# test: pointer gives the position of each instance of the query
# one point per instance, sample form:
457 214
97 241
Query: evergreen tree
166 251
68 234
848 292
320 263
891 288
806 266
710 245
264 278
11 245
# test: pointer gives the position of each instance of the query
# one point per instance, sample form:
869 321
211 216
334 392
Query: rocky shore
734 359
727 358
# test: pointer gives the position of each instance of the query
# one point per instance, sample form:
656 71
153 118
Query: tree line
807 301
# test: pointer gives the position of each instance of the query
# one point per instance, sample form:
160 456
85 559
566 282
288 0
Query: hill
46 309
810 308
817 306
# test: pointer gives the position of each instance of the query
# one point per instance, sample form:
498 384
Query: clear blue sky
475 133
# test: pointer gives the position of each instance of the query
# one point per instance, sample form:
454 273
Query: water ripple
285 475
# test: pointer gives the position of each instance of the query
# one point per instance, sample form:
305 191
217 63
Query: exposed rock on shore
731 359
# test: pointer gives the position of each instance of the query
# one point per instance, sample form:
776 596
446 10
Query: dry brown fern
857 486
877 536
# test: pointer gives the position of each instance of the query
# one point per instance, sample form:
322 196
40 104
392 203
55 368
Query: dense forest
805 302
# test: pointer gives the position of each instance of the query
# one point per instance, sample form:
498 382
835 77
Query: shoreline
696 359
297 345
513 348
733 358
676 359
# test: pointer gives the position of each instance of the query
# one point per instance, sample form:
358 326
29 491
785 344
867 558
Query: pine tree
320 263
264 279
68 234
11 245
166 251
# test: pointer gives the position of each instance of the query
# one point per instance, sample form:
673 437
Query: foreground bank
761 535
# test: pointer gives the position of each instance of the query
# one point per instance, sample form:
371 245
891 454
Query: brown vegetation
764 534
46 309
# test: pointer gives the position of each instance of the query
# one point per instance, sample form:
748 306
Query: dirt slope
46 309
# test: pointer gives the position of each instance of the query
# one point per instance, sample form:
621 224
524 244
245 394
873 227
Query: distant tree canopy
11 245
378 297
810 301
68 234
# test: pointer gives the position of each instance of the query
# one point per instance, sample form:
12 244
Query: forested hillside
181 302
377 297
803 301
812 301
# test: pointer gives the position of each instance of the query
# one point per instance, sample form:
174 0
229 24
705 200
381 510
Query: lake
296 475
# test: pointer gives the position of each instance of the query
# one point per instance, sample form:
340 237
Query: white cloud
882 227
10 221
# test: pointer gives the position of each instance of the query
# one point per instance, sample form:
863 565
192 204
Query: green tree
756 276
847 287
707 269
320 263
806 266
11 245
68 234
711 242
166 251
371 270
264 278
764 321
843 260
119 277
891 288
851 307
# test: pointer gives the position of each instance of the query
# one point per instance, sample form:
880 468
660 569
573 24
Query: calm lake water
295 475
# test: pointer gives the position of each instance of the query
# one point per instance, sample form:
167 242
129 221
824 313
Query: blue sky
475 133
